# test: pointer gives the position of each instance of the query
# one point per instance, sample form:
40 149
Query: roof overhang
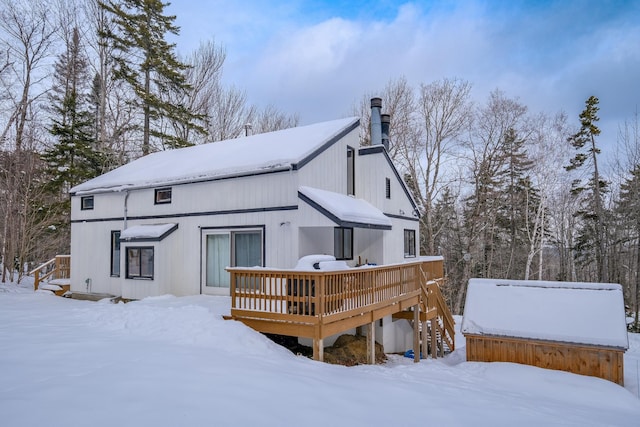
345 211
147 232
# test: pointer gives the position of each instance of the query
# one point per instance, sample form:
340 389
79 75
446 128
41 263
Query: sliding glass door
224 248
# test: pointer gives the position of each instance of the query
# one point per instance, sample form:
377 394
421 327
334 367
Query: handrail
58 267
435 300
445 319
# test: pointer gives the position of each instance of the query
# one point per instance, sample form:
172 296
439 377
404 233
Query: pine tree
593 212
72 159
149 65
518 201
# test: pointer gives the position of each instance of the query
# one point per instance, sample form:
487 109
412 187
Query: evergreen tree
72 159
519 199
148 64
592 235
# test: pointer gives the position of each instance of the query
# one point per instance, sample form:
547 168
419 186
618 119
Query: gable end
376 149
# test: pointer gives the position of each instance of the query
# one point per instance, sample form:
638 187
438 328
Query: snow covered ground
170 361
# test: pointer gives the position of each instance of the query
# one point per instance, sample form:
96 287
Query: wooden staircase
435 324
54 275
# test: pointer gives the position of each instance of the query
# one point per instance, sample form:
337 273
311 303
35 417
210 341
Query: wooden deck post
371 342
434 339
425 339
318 349
416 333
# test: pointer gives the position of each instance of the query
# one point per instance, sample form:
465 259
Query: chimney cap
385 118
376 102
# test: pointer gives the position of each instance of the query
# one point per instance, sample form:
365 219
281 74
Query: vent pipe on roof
376 124
386 122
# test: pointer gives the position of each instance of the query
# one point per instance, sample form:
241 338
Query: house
172 221
575 327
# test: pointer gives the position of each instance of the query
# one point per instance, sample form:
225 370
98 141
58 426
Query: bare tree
444 113
27 35
549 153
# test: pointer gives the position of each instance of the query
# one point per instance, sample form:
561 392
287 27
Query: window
140 263
115 253
409 243
351 178
387 187
163 195
86 203
343 243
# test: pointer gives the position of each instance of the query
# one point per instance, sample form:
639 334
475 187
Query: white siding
328 171
91 258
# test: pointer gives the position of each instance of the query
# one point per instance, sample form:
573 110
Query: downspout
126 209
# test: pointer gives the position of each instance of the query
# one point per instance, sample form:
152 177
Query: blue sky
318 58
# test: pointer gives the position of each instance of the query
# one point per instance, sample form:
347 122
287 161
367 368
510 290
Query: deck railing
56 268
318 304
321 293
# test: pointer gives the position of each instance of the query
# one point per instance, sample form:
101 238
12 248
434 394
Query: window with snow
140 263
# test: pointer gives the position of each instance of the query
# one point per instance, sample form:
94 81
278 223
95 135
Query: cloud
319 61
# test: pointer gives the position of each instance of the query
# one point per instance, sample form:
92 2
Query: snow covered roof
148 232
571 312
344 210
280 150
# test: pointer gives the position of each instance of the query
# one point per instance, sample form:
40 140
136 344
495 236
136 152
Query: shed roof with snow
272 151
569 312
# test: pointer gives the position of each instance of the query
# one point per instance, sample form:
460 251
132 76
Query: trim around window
343 243
140 263
86 203
162 196
409 243
115 253
351 173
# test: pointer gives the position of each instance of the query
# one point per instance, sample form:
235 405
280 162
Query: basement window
140 263
163 195
86 203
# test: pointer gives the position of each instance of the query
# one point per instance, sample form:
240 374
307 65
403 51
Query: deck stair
53 275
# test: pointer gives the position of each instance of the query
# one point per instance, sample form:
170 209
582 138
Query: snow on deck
347 208
580 313
262 152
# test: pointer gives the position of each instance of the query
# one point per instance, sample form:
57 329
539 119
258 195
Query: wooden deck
319 304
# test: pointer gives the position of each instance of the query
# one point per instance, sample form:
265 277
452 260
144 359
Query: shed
568 326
